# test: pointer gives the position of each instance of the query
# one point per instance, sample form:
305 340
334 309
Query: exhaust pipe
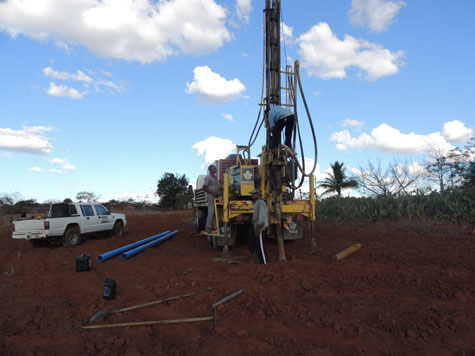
126 255
110 254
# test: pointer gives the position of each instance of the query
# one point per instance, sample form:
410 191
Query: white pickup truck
68 222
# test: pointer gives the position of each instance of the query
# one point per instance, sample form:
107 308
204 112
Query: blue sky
106 96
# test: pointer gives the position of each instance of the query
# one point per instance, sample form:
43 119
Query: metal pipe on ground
105 256
126 255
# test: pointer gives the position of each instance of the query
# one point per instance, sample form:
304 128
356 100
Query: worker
211 187
278 119
260 221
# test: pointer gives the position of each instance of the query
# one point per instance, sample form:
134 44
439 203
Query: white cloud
36 169
132 30
353 123
309 162
287 32
79 76
69 167
325 56
377 15
55 171
212 88
385 138
213 148
36 130
107 74
28 140
341 147
63 91
63 162
110 86
228 117
456 131
243 10
60 161
414 168
99 84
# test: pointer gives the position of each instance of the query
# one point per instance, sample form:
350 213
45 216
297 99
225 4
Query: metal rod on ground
154 322
224 300
228 298
347 252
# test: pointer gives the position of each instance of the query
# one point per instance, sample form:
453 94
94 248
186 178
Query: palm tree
337 180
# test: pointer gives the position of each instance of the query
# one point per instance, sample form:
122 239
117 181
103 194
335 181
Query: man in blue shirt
278 119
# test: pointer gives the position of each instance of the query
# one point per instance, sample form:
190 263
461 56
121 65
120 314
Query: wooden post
280 243
347 252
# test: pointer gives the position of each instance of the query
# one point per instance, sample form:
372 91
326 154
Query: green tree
467 168
173 190
10 199
86 196
337 180
444 166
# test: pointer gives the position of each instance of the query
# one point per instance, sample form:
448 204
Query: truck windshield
60 210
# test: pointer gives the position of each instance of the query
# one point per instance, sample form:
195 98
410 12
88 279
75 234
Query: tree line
404 191
447 169
173 190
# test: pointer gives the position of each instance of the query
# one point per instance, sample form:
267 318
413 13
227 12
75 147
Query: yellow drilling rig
277 173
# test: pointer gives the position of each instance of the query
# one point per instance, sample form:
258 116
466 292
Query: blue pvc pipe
126 255
110 254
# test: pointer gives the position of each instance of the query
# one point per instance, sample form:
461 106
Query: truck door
89 219
105 221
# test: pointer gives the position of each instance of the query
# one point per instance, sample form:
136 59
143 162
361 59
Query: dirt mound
404 292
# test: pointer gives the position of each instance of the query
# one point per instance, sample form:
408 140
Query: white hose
262 248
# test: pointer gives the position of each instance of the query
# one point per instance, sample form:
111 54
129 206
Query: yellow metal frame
227 209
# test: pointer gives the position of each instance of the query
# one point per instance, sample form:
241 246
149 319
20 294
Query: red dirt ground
406 291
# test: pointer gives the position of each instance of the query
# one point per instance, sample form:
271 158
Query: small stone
461 297
241 333
306 284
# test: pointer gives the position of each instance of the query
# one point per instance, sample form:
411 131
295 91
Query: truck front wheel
72 237
119 229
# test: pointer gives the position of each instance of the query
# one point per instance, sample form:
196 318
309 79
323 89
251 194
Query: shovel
105 313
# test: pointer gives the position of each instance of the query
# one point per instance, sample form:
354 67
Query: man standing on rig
279 118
